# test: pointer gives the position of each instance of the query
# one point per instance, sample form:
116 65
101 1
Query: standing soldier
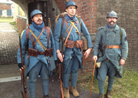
111 49
38 58
72 56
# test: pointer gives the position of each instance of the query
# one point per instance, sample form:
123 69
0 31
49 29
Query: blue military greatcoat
33 60
114 36
59 32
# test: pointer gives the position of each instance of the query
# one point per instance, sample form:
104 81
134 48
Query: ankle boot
108 94
66 92
101 96
74 91
45 96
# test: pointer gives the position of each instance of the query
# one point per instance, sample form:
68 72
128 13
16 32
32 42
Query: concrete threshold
9 79
8 31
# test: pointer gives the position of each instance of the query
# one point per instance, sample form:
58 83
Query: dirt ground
13 89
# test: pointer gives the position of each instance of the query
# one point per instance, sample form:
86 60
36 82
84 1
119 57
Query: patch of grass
6 19
125 87
14 24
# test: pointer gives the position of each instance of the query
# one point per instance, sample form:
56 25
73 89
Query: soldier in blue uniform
72 56
36 60
111 40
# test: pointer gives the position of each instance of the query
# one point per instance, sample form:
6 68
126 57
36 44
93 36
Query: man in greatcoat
111 50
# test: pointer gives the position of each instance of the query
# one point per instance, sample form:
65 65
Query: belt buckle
107 60
110 46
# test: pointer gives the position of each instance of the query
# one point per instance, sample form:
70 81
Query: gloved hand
19 65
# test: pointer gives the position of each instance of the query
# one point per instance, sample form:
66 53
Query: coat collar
68 19
116 29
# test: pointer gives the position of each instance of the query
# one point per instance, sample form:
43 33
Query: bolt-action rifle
60 67
23 82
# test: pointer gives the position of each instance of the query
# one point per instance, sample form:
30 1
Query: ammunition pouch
35 53
77 44
32 52
70 44
49 52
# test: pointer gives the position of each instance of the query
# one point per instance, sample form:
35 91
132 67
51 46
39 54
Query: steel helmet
34 12
112 14
70 3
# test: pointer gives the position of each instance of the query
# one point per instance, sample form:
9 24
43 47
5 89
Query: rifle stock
23 82
92 78
60 67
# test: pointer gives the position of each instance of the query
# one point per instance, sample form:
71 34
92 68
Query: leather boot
45 96
66 92
101 96
74 91
108 94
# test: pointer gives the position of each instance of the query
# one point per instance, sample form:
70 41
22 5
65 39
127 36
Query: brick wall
127 13
4 6
21 23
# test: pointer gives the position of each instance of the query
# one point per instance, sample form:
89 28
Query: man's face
111 20
37 19
71 11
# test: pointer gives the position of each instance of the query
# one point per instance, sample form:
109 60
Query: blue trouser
73 69
107 68
39 68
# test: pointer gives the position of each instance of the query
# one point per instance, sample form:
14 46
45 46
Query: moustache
39 20
111 21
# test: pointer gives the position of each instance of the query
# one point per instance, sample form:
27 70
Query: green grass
126 87
6 19
14 24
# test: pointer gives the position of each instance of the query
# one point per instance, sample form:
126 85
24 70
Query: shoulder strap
79 21
120 34
64 20
38 40
27 36
39 36
48 35
32 39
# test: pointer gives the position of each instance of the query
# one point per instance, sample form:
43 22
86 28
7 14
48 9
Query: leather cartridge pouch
32 52
79 44
48 52
85 44
70 44
98 64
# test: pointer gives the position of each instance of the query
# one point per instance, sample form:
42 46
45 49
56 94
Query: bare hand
60 57
122 62
22 68
95 58
87 52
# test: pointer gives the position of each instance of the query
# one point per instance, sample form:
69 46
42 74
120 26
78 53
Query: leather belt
41 53
112 46
107 60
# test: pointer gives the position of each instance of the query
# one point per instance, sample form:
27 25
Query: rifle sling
47 29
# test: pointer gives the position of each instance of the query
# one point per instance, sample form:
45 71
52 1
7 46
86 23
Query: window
9 4
8 12
0 12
